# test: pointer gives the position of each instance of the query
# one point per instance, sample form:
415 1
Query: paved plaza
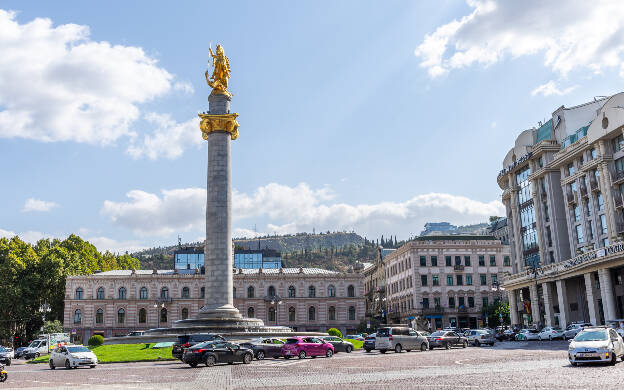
519 365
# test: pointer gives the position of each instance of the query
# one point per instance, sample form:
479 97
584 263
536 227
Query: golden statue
220 72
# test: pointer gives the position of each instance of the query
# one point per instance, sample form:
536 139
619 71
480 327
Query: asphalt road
509 365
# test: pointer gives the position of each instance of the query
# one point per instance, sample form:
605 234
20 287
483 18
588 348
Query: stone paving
527 365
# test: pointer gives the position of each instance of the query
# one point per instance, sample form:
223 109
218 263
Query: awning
433 316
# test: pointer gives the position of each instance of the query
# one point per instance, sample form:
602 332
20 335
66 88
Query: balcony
433 310
583 190
617 199
164 300
619 227
617 177
458 267
571 197
593 184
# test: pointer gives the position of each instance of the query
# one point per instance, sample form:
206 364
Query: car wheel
67 365
302 355
193 364
260 355
397 348
408 350
37 355
230 363
329 353
348 349
477 343
423 347
287 357
447 346
382 350
564 337
550 338
52 365
92 366
8 363
368 351
247 358
431 347
210 361
573 364
465 344
539 338
613 360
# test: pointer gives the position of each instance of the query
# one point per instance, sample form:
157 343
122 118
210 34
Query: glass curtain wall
530 248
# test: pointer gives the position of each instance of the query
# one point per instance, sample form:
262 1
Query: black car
213 352
188 340
339 344
265 347
369 342
446 339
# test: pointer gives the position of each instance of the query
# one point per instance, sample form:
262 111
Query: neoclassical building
563 186
114 303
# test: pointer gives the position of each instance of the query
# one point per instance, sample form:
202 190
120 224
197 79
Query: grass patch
356 343
122 353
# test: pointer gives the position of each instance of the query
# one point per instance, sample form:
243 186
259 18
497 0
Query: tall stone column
219 127
606 290
549 314
535 309
513 306
564 313
592 305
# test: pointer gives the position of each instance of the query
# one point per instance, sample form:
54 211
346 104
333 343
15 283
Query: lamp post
276 301
156 306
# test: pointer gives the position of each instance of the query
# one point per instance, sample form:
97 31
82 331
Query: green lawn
356 344
123 353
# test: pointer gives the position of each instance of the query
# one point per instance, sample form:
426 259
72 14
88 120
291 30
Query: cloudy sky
355 115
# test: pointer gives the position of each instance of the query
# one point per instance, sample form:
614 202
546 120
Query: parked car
188 340
594 344
265 347
19 352
72 356
213 352
446 339
527 334
369 342
573 329
478 337
136 333
339 344
398 338
45 344
357 337
550 333
6 355
306 346
615 324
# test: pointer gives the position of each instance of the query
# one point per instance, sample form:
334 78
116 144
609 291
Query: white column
535 310
513 306
549 314
564 313
606 290
592 305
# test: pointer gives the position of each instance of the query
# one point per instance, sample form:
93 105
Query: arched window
291 292
271 291
184 313
143 293
351 313
186 293
121 316
77 316
163 315
122 293
234 292
250 292
331 291
291 314
164 293
271 314
100 293
78 294
202 292
331 313
142 316
99 316
250 312
351 291
311 292
311 314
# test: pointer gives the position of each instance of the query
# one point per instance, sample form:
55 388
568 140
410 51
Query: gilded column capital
214 122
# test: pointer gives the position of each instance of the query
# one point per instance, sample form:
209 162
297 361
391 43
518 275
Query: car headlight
74 356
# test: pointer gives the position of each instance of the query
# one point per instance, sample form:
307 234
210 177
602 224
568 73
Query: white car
527 334
72 356
596 345
550 333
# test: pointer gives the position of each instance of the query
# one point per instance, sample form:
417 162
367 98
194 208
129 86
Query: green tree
53 327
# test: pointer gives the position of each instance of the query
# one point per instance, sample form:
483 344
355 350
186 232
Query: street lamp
162 306
278 301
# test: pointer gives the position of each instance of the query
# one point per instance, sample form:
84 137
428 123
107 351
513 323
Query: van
398 338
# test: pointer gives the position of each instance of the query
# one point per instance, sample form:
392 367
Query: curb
121 361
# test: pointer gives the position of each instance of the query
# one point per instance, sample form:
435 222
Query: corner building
447 280
563 186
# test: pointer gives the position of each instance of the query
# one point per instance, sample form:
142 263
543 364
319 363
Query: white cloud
6 233
28 236
33 204
294 209
550 88
493 125
56 84
114 246
168 139
185 87
585 34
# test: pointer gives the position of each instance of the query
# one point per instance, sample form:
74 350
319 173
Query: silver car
572 330
596 345
478 337
398 338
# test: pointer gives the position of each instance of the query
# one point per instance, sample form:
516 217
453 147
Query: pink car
306 346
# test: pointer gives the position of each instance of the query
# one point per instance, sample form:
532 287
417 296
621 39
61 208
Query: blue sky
355 115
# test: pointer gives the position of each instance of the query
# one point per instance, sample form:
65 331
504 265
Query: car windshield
203 345
385 332
591 335
183 339
557 328
78 349
292 341
533 331
438 334
34 344
2 349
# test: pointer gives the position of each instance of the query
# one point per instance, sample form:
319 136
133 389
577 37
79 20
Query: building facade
115 303
192 258
446 280
562 188
375 287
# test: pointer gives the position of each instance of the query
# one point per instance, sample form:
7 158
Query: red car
306 346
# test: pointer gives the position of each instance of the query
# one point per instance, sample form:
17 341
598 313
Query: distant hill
302 241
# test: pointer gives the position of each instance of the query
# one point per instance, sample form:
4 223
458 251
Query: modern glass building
193 258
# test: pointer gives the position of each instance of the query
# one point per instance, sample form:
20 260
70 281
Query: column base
221 311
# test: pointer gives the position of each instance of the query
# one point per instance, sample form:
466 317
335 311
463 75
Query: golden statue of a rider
220 72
